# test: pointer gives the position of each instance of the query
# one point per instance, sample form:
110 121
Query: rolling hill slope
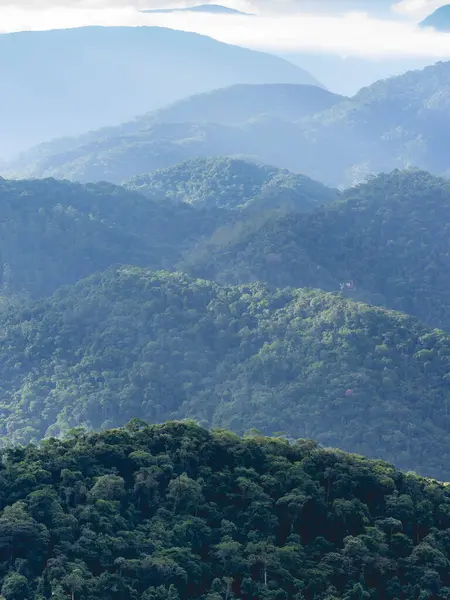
233 184
389 236
135 343
53 233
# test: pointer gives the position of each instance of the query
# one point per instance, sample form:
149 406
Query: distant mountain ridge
215 9
439 19
115 74
220 122
397 123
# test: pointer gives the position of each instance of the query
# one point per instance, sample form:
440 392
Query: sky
368 28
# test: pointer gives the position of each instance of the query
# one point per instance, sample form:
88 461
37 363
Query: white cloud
418 9
350 34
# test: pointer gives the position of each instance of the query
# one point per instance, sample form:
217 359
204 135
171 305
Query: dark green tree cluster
176 512
233 184
137 343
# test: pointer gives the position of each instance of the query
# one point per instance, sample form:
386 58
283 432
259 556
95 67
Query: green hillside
390 236
136 343
233 184
54 233
176 512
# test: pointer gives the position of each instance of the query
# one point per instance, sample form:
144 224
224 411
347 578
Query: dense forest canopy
154 345
53 233
176 512
233 184
389 236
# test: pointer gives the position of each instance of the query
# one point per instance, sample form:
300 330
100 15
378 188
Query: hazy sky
346 27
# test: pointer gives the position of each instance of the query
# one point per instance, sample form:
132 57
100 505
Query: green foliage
390 236
211 516
54 233
233 184
153 345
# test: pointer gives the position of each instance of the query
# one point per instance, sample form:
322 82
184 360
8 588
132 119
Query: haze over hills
153 345
235 120
348 74
245 279
305 362
395 123
46 99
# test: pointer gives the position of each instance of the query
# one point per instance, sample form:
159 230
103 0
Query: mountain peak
439 19
200 8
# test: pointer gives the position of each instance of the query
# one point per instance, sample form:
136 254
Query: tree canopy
155 345
232 184
389 236
176 512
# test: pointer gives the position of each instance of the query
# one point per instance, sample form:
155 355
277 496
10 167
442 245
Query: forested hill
54 233
389 236
135 343
176 512
234 184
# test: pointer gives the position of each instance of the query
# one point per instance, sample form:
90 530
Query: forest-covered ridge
230 183
155 345
56 232
175 511
388 236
